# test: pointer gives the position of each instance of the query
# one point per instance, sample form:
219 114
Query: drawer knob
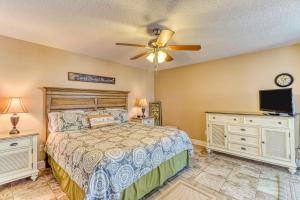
14 144
279 122
262 142
242 129
225 136
234 119
243 148
250 120
214 118
243 139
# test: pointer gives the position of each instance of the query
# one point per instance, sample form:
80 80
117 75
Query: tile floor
221 176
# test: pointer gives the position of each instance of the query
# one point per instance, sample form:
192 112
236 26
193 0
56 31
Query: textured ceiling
91 27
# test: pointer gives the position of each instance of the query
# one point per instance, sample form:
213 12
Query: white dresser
270 139
18 156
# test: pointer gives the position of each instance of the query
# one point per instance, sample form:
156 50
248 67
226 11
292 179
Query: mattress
104 162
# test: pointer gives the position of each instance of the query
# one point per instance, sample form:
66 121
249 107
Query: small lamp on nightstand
15 105
142 103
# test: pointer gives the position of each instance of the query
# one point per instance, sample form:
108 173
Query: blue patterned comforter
105 161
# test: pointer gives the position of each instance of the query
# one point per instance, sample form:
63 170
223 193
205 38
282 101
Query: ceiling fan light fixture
161 57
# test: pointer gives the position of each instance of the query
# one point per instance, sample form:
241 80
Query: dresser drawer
244 130
225 118
243 139
243 148
267 121
14 143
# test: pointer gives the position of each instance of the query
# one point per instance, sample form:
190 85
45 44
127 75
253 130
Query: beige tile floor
213 176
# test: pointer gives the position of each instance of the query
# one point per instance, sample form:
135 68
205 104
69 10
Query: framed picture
155 112
72 76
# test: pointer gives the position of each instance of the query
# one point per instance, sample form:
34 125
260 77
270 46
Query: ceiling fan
157 48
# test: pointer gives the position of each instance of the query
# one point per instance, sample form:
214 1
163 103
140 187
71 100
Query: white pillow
53 122
97 121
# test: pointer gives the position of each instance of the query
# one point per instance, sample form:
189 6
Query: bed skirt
137 190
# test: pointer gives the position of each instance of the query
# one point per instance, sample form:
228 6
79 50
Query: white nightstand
146 120
18 156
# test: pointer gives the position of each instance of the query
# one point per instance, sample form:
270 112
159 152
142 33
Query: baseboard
41 164
199 142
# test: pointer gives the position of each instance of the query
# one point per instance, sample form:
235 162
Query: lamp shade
15 105
143 103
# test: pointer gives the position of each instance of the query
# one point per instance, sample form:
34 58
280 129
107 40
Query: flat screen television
277 101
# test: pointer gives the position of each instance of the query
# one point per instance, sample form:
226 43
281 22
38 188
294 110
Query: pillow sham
68 120
72 120
97 121
120 115
53 122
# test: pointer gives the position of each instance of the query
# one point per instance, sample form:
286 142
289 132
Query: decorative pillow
97 121
120 115
53 122
73 120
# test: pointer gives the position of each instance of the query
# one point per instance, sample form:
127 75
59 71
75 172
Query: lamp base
14 131
14 119
143 111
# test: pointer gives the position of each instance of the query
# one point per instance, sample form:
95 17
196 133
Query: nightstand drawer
149 121
15 143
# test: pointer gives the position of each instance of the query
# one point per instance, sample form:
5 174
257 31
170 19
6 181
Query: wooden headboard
59 99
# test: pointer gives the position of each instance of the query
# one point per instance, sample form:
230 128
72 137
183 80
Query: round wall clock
284 80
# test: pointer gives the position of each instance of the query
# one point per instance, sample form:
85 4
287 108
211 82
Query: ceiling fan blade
164 37
184 47
139 55
168 58
132 45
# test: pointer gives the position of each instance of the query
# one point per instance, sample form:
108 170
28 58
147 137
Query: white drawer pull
14 144
243 148
243 139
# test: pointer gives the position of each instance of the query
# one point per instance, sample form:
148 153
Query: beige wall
230 84
25 68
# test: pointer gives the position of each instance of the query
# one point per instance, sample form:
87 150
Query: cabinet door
217 135
276 144
15 161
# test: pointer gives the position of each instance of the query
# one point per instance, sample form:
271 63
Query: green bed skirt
137 190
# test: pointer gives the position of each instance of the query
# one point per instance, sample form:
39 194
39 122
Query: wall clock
284 80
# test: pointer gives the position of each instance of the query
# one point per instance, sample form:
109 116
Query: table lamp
15 105
143 103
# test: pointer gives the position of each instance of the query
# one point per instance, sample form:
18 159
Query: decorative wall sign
155 112
72 76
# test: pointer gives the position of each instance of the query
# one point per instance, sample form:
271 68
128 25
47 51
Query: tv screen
279 101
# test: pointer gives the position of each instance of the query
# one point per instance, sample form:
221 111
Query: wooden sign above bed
69 98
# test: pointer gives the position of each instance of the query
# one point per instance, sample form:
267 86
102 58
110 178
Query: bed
123 160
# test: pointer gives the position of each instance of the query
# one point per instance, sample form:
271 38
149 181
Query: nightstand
146 120
18 156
